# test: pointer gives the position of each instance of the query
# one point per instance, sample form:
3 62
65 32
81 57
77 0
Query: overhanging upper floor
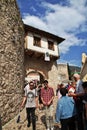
40 44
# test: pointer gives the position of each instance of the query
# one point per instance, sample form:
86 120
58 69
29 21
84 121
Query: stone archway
33 75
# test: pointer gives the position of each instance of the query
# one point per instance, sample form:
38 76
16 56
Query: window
37 41
50 45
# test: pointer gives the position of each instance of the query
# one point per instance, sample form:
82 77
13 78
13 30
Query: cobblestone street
12 125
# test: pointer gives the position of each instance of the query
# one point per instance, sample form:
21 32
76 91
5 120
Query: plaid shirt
47 94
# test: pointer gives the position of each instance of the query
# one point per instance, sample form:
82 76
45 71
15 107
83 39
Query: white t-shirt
31 95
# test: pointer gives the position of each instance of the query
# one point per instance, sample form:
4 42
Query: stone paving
22 125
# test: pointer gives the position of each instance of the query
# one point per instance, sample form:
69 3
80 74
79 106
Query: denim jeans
31 117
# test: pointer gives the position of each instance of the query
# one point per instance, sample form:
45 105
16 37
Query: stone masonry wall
11 59
63 74
48 69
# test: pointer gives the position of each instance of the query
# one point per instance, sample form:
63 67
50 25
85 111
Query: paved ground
13 125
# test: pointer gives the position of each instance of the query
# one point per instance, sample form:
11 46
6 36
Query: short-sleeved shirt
47 94
31 95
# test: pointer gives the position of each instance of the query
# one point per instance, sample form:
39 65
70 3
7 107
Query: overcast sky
64 18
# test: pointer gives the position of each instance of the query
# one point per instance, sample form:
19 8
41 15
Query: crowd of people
71 107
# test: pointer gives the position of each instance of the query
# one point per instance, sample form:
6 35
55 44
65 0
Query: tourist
47 96
59 86
79 104
72 87
31 100
66 111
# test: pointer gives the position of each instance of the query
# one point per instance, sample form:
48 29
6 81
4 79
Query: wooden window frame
37 41
51 45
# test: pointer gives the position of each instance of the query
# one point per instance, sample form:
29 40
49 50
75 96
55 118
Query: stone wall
45 68
11 59
63 73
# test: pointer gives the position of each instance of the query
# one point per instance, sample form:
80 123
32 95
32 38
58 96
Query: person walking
31 99
47 96
66 111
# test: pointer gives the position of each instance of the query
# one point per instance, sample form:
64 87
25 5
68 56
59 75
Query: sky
64 18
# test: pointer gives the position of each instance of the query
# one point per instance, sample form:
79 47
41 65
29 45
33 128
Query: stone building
63 73
66 71
84 67
25 53
41 53
37 61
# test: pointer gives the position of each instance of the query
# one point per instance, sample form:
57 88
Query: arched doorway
33 75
